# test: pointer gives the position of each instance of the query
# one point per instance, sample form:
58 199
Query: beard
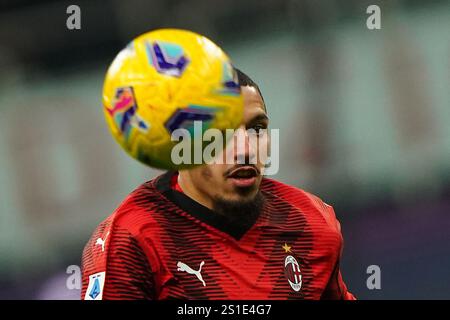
240 212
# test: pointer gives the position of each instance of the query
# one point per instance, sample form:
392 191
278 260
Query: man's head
228 187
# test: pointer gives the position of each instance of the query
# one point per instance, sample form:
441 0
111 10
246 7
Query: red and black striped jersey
161 244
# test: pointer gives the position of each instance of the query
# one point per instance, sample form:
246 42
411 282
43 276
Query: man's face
232 181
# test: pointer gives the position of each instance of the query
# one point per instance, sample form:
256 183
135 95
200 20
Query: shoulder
123 230
119 250
301 199
137 208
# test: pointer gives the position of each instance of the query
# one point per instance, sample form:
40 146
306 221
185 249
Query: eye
259 128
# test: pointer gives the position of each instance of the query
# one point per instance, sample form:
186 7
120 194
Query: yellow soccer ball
166 80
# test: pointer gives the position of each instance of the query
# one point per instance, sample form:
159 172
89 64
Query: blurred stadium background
364 118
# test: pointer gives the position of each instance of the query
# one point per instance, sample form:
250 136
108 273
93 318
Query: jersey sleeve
336 288
115 267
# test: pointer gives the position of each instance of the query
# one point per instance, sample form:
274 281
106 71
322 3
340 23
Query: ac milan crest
293 273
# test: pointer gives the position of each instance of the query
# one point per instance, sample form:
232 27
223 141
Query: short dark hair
245 80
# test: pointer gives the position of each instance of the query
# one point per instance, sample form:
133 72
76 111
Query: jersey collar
197 210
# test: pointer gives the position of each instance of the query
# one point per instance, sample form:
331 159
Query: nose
244 147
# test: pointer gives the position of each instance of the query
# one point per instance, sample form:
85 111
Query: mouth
243 176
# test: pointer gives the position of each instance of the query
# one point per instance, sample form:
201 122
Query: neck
192 192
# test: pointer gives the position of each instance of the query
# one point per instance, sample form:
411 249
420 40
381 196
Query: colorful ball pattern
165 80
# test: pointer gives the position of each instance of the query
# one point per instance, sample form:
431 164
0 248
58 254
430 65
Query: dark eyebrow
258 117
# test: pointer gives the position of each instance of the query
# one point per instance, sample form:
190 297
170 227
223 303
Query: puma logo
101 242
184 267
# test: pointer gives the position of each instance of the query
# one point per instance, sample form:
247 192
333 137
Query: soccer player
218 231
